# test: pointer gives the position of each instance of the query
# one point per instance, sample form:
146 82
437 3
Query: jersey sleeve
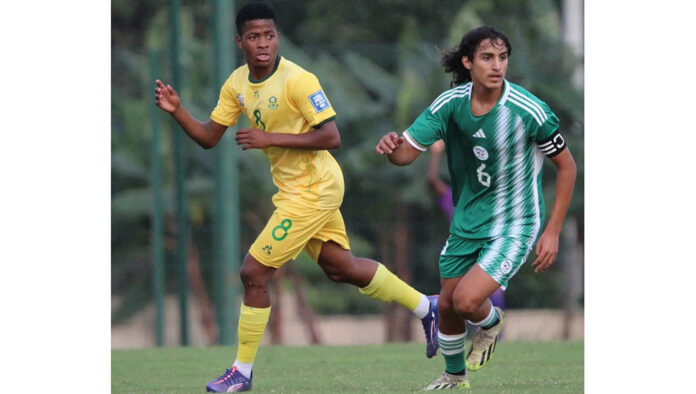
428 127
547 136
227 110
309 98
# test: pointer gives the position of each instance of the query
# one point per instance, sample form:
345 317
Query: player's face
259 42
489 64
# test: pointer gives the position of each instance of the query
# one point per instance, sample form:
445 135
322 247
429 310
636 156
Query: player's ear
238 39
466 62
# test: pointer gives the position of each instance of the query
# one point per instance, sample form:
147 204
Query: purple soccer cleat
430 327
231 381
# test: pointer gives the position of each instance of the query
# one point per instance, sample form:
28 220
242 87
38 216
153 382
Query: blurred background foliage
378 62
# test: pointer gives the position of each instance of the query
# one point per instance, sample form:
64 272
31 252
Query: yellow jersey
289 100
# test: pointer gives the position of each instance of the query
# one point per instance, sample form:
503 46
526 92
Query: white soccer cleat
483 344
449 381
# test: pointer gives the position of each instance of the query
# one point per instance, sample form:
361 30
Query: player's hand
546 251
252 138
389 143
166 97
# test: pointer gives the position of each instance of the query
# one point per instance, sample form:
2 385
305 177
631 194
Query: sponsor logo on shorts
480 152
267 249
506 267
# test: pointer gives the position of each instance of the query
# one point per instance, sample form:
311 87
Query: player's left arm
434 180
326 136
547 246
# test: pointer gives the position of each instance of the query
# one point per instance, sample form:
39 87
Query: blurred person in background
294 127
497 134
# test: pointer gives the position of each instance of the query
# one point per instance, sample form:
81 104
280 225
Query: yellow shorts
287 234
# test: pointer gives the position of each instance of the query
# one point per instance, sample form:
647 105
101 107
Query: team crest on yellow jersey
273 102
240 98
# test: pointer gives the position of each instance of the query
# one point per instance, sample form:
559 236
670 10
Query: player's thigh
254 273
458 256
473 289
333 229
286 235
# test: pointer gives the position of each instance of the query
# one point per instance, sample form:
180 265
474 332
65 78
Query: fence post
226 184
158 274
181 203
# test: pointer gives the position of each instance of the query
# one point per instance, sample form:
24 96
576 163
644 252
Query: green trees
378 61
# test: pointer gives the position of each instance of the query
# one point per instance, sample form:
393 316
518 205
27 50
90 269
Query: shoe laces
480 340
227 375
450 379
442 379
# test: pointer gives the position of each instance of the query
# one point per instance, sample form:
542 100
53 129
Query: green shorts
499 257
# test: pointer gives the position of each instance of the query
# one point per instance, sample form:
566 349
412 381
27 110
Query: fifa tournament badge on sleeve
319 101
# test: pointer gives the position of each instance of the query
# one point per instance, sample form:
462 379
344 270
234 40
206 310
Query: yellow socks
387 287
252 324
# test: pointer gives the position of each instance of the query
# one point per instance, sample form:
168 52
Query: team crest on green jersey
481 153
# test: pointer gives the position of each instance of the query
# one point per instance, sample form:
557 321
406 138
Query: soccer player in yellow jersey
293 123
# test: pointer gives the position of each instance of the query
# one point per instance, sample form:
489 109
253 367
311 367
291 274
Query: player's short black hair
254 11
452 60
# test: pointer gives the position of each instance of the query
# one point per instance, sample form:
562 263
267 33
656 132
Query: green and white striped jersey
495 160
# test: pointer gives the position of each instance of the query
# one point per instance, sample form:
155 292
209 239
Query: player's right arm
206 134
425 131
397 152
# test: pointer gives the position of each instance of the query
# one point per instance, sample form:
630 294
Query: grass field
517 367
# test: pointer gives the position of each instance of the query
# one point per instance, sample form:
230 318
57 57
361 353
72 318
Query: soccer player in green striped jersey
496 135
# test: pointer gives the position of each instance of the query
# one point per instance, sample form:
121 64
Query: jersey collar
275 68
506 92
501 100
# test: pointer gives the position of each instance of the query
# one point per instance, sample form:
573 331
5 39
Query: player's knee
251 275
445 304
246 275
464 305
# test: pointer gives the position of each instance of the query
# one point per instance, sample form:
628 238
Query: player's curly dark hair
452 60
254 11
